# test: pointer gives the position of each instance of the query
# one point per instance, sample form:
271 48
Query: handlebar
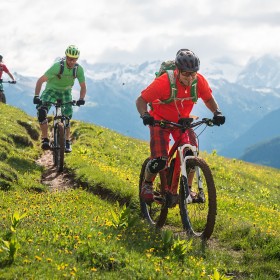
186 123
59 103
10 82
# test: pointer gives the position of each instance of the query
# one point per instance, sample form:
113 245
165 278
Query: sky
35 33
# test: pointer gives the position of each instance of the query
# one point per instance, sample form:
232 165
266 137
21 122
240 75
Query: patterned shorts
160 140
51 95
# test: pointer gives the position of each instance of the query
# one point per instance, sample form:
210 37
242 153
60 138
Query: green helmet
72 51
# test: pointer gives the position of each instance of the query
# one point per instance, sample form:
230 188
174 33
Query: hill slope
83 233
263 130
113 89
265 153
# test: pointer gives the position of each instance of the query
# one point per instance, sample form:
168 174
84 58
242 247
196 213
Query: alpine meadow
93 229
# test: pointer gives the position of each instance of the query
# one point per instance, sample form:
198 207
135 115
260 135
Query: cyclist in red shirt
187 65
3 68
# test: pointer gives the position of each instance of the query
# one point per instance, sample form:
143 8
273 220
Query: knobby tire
198 219
154 213
59 146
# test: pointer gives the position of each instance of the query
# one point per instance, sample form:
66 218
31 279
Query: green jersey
67 79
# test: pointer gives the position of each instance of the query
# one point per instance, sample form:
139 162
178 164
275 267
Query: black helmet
186 60
1 57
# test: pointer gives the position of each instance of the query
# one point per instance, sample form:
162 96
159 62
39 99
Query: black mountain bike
2 94
58 133
197 213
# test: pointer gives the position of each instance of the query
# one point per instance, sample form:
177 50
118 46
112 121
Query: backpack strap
61 69
75 70
194 91
173 88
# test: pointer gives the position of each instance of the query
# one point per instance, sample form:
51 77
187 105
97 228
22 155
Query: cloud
136 31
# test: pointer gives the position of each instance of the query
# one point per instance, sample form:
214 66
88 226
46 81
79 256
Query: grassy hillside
93 231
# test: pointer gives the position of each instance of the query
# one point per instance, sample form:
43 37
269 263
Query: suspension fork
183 166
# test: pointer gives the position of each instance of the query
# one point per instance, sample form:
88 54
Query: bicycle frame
58 131
181 148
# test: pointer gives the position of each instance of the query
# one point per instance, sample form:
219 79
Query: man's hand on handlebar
80 102
219 118
36 99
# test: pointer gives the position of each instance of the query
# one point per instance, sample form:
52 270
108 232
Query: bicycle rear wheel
59 146
154 212
199 216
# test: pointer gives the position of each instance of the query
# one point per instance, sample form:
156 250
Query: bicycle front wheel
59 146
198 215
154 212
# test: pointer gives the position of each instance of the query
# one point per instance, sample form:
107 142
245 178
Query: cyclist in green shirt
59 78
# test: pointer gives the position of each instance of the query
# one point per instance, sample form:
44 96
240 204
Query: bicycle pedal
198 199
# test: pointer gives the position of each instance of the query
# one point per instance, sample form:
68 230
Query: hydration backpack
75 69
168 67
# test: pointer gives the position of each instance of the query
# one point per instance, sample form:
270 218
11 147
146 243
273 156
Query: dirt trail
57 181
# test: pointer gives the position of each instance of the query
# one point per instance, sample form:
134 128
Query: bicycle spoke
198 217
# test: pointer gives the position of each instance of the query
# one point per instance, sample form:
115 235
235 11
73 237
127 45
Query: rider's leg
42 112
67 133
159 143
44 129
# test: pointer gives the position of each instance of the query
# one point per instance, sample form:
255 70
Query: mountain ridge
113 89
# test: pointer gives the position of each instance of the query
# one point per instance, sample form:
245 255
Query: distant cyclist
60 78
188 82
3 68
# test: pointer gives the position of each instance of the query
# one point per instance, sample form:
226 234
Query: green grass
94 231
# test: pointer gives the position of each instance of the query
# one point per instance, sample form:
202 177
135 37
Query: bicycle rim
153 212
198 218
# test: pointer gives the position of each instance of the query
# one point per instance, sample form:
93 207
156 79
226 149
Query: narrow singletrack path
57 181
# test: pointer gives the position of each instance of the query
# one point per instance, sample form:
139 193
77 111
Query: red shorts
159 145
160 139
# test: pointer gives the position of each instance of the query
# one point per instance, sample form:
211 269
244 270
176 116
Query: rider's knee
42 114
157 164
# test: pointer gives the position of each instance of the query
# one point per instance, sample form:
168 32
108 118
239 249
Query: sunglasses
188 74
71 59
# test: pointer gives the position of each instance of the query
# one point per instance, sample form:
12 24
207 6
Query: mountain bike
197 212
58 142
2 94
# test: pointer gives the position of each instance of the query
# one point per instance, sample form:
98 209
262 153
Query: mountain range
250 102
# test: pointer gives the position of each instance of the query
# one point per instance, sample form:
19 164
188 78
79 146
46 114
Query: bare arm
212 105
83 90
39 83
11 76
141 105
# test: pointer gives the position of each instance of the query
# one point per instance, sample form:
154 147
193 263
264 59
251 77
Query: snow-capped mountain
261 73
113 89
